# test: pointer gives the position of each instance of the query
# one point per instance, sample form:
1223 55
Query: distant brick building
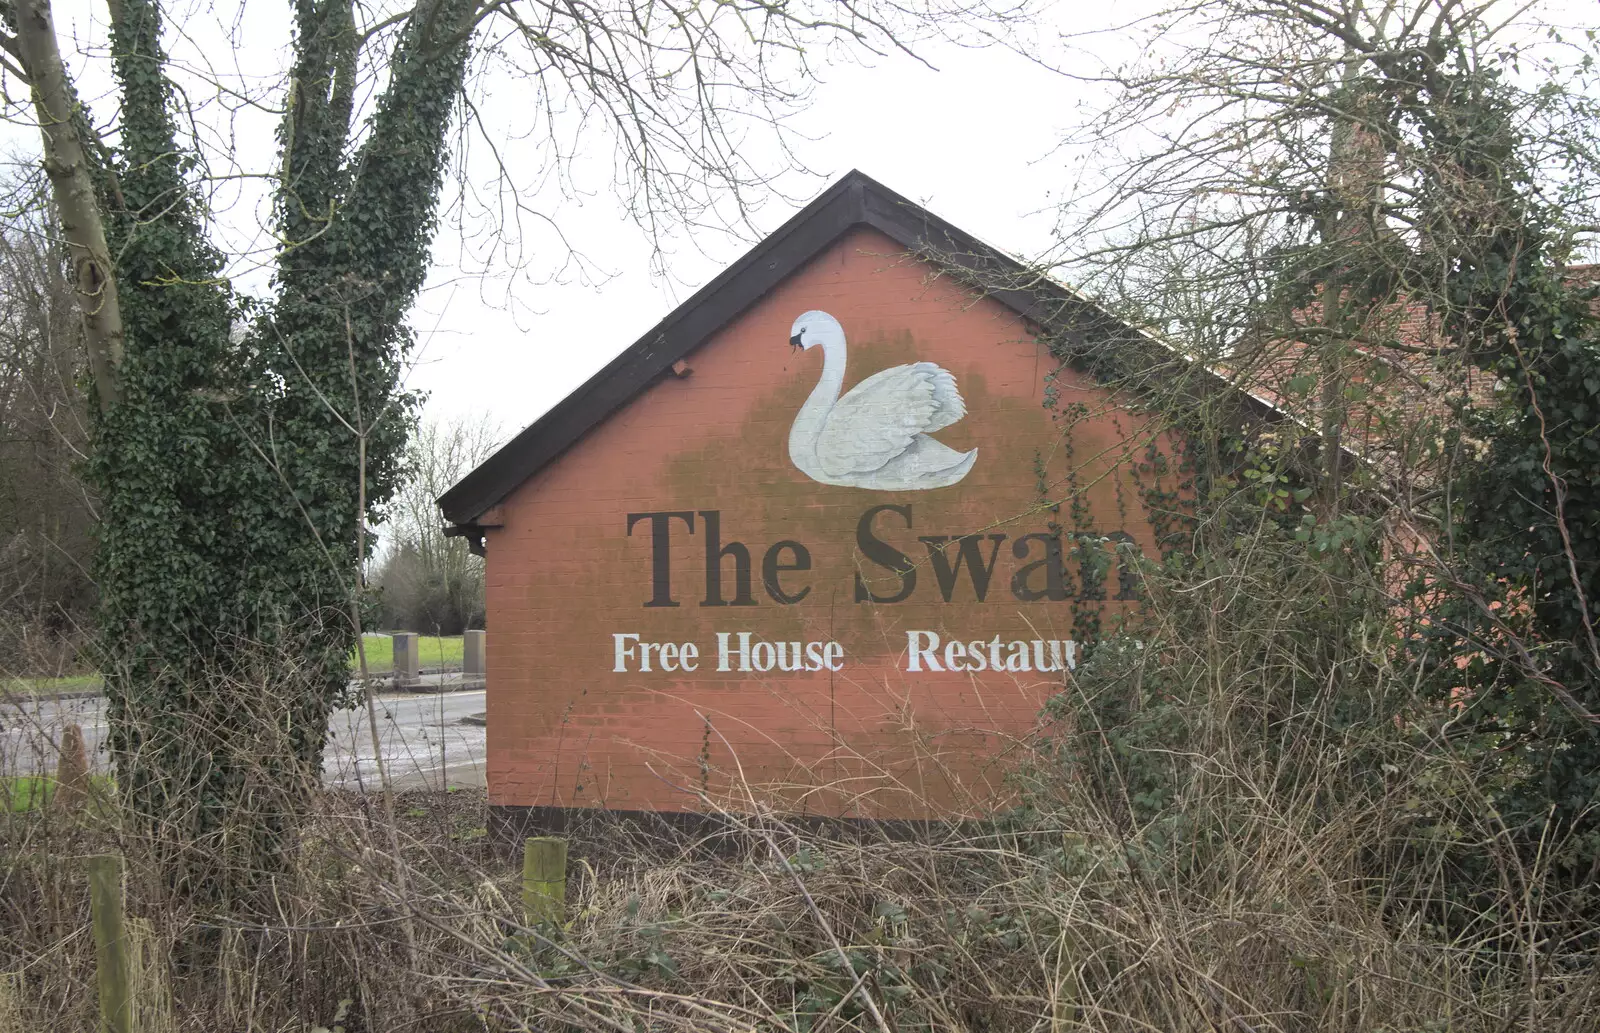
827 537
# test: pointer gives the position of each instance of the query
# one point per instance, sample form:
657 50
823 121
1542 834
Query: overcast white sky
973 138
969 140
969 137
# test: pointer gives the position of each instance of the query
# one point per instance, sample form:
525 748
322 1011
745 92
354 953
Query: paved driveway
421 735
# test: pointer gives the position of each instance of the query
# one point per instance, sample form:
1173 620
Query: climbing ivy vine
1512 640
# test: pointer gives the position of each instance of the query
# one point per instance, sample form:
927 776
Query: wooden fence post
72 772
111 946
11 1002
544 879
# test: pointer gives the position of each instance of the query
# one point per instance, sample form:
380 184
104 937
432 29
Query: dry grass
1247 825
1062 919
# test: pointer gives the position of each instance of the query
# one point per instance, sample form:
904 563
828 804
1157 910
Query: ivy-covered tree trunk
233 462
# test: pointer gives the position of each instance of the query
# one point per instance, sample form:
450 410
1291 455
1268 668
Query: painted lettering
725 656
772 568
743 652
1054 566
1097 554
623 651
661 551
630 653
919 651
969 554
882 554
885 574
716 552
1127 576
923 655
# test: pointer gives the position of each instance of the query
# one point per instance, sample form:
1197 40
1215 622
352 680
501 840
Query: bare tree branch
66 162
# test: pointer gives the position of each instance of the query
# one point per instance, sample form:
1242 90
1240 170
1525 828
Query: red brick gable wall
1403 379
866 726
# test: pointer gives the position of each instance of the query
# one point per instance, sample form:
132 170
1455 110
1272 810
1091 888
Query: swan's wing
881 416
949 406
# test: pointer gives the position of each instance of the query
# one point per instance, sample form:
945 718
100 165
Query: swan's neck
827 390
813 415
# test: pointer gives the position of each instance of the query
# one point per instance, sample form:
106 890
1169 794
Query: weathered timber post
111 947
72 772
11 1002
407 662
472 655
544 879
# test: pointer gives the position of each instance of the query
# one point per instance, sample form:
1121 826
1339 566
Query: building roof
855 200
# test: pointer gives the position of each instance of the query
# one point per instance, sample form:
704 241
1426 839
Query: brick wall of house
873 737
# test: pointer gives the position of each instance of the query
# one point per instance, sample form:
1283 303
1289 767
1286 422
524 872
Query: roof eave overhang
710 309
855 200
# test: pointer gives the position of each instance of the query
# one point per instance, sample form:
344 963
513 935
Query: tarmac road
423 740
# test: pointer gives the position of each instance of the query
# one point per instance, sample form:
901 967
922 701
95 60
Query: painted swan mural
877 435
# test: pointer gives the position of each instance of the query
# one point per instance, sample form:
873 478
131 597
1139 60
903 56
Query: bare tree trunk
1355 186
66 162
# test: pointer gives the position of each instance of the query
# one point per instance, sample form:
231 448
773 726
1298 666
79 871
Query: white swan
877 435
